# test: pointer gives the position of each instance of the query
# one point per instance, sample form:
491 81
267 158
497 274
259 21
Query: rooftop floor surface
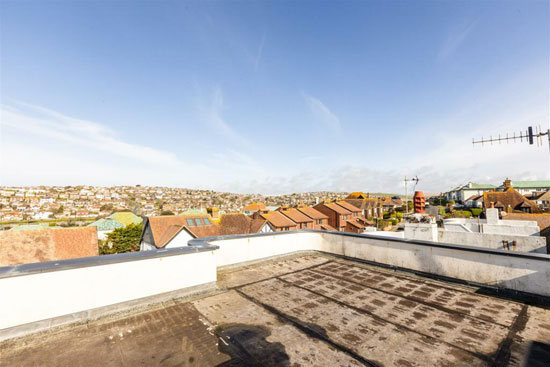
307 310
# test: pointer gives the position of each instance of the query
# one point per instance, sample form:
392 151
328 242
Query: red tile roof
278 220
348 206
312 213
48 244
296 216
509 198
337 208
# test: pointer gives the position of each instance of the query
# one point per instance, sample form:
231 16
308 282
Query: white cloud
455 39
323 114
258 57
212 115
54 125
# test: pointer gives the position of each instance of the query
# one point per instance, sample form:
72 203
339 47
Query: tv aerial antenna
531 136
414 179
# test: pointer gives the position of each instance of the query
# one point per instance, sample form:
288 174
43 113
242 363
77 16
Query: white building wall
181 240
35 297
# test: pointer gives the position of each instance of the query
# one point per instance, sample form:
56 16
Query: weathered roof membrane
306 310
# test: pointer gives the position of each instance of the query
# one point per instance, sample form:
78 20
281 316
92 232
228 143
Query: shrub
386 215
394 221
442 211
462 214
476 212
122 240
399 215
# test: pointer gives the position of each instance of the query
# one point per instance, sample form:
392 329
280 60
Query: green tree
167 212
122 240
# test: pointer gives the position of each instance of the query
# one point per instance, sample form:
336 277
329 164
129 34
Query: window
206 221
190 222
198 221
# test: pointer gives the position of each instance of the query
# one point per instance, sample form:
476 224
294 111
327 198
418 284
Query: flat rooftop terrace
305 310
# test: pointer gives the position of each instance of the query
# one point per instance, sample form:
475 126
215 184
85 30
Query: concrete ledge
82 262
101 312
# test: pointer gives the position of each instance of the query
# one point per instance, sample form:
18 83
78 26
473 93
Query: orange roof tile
296 216
48 244
278 220
312 213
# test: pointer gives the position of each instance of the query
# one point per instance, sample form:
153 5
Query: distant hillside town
514 215
70 203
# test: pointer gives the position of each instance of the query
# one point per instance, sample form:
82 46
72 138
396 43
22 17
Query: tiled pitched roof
296 216
254 206
49 244
508 198
336 208
531 184
106 224
542 219
278 220
363 203
357 195
348 206
159 225
327 227
312 213
170 233
355 223
126 218
239 224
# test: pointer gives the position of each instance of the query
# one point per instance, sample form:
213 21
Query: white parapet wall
29 296
35 292
523 272
529 273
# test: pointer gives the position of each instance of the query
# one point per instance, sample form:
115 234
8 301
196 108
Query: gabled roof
335 208
473 185
348 206
160 224
254 206
170 233
296 216
26 227
278 220
509 198
474 197
357 195
48 244
312 213
363 203
327 227
126 218
541 196
239 224
531 184
106 224
355 224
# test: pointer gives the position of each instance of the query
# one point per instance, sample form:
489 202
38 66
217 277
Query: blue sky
271 97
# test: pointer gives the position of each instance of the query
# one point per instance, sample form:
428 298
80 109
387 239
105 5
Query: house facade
337 215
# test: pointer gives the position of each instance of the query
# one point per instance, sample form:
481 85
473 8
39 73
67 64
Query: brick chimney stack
507 183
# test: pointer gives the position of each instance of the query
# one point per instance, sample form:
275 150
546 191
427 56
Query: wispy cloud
258 57
323 114
455 39
50 124
212 115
